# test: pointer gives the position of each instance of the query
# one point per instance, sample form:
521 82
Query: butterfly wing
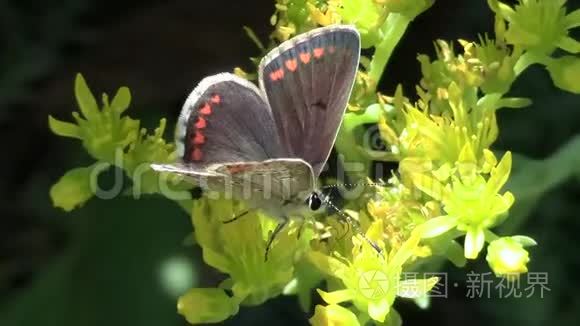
282 179
226 119
227 142
307 81
257 181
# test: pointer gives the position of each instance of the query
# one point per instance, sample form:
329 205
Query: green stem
534 178
186 205
490 236
392 31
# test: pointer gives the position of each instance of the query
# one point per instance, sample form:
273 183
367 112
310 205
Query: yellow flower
333 315
372 282
507 256
472 203
540 26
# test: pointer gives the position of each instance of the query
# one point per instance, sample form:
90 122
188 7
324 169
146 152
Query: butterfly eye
314 201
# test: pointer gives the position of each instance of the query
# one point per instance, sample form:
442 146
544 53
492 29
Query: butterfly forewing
225 119
307 82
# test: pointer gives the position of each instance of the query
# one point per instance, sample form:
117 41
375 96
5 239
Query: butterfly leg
235 217
276 231
300 229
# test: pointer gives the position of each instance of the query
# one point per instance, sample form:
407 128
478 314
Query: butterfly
268 145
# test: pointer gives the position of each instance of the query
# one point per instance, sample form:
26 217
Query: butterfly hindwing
280 179
277 179
307 81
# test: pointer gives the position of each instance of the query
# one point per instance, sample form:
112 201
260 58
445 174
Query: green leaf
85 98
393 319
326 264
455 254
524 240
531 179
206 305
121 100
76 187
306 278
514 102
565 73
64 129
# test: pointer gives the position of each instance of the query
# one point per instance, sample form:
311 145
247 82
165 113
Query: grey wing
307 81
226 119
208 180
282 179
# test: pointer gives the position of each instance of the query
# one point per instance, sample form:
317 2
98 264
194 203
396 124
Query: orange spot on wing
291 64
304 57
273 75
277 74
196 155
216 99
199 138
200 124
236 168
205 110
318 52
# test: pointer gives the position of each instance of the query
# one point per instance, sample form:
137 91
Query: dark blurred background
124 262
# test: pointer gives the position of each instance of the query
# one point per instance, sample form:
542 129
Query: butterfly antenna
235 218
354 223
351 185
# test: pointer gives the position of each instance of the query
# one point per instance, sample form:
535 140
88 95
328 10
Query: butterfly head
313 201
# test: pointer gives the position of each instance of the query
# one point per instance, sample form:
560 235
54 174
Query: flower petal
76 187
64 129
428 185
499 175
474 240
569 44
415 288
378 310
405 251
437 226
336 296
121 100
208 305
85 98
572 19
333 315
326 264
